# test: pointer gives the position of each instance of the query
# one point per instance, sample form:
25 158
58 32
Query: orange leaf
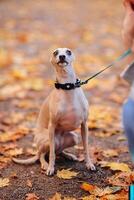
87 187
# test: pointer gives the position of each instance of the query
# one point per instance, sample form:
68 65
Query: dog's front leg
84 134
51 129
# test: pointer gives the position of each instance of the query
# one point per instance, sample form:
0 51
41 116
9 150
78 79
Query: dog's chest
72 112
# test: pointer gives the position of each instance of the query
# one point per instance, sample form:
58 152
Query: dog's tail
28 161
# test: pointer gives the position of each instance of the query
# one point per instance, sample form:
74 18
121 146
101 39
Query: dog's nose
62 57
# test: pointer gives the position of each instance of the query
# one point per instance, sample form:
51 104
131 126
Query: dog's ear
128 73
51 60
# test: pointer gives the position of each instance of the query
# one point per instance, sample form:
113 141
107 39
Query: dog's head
62 57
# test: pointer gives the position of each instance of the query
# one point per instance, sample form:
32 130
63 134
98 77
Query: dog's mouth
62 63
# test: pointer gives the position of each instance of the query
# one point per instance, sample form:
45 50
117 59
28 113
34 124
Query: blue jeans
128 122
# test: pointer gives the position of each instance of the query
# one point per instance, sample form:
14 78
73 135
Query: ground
29 32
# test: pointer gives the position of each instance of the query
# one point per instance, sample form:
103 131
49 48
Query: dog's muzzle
62 62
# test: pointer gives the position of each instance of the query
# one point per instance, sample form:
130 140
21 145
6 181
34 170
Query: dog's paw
44 166
90 166
50 171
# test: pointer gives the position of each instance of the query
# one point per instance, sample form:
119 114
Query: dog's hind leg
70 139
69 156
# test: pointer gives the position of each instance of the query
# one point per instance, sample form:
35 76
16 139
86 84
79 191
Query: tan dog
62 112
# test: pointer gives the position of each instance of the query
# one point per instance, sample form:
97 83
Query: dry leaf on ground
115 166
110 153
99 192
66 173
57 196
14 152
31 196
123 195
91 197
122 179
4 182
29 183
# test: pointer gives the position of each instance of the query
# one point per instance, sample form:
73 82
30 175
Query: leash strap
125 54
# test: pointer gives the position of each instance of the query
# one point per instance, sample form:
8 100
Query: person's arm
128 25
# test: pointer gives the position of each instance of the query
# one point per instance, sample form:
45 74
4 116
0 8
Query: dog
128 109
65 109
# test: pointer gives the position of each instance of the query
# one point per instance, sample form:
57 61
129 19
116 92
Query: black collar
68 86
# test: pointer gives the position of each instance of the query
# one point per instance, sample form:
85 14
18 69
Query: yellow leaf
4 182
13 136
36 84
66 174
121 138
5 58
69 198
19 73
57 196
91 197
14 152
110 153
115 166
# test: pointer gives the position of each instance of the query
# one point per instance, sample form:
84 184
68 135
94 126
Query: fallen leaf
110 153
88 187
5 58
69 198
115 166
4 182
123 195
31 196
99 192
14 152
66 174
13 136
19 73
121 138
36 84
91 197
57 196
29 183
122 179
13 175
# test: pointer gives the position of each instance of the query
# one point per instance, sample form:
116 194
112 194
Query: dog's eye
68 52
55 53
